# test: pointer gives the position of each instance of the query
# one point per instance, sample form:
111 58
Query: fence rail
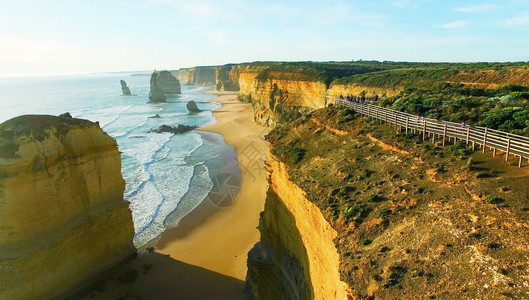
448 132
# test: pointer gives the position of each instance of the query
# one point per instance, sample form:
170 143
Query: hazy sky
72 36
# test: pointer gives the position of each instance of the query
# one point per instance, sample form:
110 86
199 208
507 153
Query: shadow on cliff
157 276
278 265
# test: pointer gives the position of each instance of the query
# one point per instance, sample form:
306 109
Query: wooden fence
448 132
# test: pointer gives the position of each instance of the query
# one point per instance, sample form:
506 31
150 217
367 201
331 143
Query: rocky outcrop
62 213
192 107
156 93
296 257
174 129
124 88
197 75
227 77
278 100
168 83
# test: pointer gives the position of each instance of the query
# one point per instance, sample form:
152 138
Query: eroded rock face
124 88
156 94
62 213
296 257
168 83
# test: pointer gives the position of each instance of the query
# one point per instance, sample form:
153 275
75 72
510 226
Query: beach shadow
161 277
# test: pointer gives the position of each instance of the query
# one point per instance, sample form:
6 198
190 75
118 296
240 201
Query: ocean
166 175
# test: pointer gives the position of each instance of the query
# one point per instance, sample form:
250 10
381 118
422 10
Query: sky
86 36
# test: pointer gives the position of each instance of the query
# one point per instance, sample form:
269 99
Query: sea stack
169 83
124 88
62 213
192 107
156 94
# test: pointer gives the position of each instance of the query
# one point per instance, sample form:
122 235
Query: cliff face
280 100
441 227
197 75
227 77
62 213
296 257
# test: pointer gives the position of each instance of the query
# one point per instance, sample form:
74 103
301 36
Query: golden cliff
278 100
296 257
62 213
196 75
225 78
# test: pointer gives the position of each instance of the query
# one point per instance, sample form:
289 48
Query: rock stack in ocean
156 94
192 107
124 88
163 83
169 83
62 213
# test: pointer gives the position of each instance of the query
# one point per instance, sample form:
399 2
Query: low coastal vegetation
443 225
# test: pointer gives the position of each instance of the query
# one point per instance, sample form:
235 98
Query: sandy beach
205 256
221 244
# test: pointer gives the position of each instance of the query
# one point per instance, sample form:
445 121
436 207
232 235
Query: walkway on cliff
496 140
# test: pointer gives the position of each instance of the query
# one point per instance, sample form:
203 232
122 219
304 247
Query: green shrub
491 199
365 242
459 149
384 213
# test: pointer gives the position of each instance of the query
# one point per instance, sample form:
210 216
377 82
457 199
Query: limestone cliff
197 75
124 88
344 219
280 97
62 213
296 257
227 77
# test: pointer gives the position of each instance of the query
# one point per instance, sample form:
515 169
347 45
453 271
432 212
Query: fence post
508 149
468 133
444 136
424 131
520 162
485 139
386 119
407 123
395 121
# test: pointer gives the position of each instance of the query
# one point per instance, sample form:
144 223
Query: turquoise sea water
167 175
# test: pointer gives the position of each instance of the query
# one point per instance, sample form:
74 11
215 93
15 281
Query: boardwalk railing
508 143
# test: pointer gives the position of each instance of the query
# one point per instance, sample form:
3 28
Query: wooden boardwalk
447 132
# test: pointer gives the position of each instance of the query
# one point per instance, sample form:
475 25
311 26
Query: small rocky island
192 107
163 83
174 129
124 88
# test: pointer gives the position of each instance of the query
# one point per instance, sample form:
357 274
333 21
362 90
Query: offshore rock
63 218
192 107
156 94
174 129
124 88
168 83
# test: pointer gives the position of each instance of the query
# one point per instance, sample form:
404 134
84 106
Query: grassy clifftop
415 220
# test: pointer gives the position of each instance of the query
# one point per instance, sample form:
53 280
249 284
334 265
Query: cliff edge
62 213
